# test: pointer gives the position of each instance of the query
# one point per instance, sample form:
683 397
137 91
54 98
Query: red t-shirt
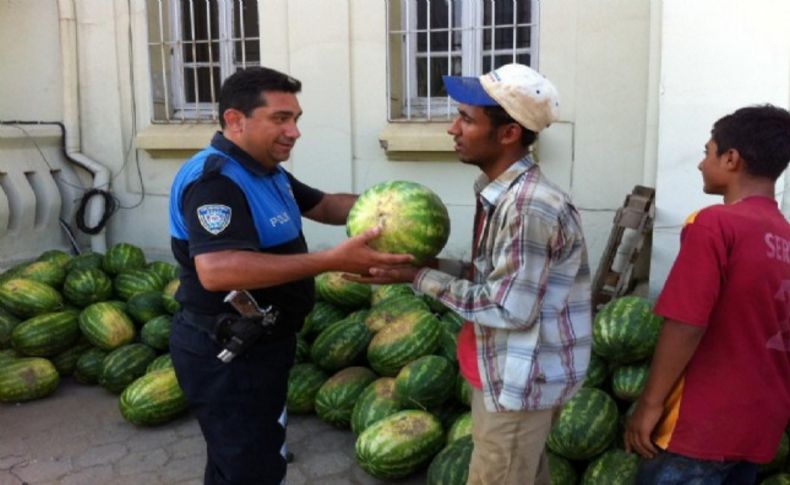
732 276
467 355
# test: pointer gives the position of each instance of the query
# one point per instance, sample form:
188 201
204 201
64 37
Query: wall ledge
175 136
416 137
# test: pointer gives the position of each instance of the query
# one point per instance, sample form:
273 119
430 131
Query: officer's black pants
237 404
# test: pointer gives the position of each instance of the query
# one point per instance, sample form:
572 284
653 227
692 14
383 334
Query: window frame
472 29
229 14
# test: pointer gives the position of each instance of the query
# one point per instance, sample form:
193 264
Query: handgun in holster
237 332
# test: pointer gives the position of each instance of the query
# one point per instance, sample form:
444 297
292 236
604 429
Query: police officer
235 224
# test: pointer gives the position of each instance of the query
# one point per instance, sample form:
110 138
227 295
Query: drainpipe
71 120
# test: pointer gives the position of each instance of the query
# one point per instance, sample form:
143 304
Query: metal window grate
431 38
193 46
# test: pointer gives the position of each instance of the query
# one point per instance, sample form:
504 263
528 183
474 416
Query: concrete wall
716 56
606 58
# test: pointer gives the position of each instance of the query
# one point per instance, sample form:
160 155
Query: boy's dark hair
761 134
242 89
499 117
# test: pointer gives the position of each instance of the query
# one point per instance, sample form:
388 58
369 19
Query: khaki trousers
508 446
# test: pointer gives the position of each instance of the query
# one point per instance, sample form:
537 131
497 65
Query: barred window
193 46
431 38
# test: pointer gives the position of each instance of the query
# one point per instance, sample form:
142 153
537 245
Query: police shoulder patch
214 218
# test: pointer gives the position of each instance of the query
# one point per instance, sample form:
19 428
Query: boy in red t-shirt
718 396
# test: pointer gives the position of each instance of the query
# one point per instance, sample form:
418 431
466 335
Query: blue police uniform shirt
223 199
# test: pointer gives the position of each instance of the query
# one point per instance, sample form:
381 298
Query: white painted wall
608 59
716 56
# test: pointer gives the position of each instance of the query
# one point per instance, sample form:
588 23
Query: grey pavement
78 437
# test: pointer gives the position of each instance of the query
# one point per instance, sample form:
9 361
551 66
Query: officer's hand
355 256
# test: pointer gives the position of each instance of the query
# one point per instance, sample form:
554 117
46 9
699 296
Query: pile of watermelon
585 444
100 318
377 360
380 361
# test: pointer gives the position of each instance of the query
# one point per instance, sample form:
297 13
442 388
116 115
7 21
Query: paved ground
78 437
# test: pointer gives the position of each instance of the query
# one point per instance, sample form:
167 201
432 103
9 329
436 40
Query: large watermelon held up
413 219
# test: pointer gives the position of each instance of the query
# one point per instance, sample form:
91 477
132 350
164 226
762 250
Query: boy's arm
676 346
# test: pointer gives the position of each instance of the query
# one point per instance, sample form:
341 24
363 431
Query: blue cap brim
467 90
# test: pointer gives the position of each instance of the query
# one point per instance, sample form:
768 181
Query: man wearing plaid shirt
526 296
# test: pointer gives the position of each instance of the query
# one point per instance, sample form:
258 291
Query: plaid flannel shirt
530 298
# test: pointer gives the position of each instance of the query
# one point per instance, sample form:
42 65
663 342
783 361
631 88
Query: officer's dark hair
761 134
242 90
500 117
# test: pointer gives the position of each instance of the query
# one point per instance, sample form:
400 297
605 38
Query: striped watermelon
153 398
336 397
435 305
451 465
134 281
561 471
169 301
145 306
66 361
597 372
376 402
7 324
28 298
780 457
461 427
412 335
385 292
120 305
358 315
123 257
412 218
399 444
85 261
57 256
123 365
626 330
164 361
302 350
586 426
614 467
335 289
628 381
320 317
304 381
11 272
383 314
9 354
341 344
49 272
88 366
46 335
448 340
425 382
448 412
156 333
778 479
452 321
463 390
166 271
85 286
106 326
27 378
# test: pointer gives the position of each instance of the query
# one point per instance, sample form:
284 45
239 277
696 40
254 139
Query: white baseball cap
525 94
